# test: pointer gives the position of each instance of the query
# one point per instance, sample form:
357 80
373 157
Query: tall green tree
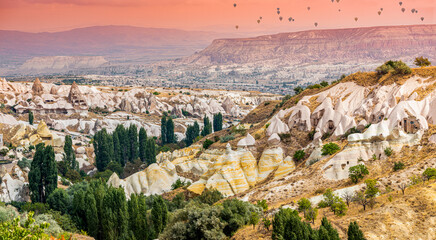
103 149
117 149
207 128
171 138
43 173
150 151
69 155
217 122
31 117
137 210
159 215
192 132
354 233
163 130
124 141
142 144
133 142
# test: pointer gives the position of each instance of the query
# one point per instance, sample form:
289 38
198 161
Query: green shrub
299 155
389 151
28 229
398 166
180 184
24 163
4 151
262 204
7 213
422 62
207 143
227 138
324 84
298 90
311 134
329 149
395 67
156 93
429 173
357 172
210 196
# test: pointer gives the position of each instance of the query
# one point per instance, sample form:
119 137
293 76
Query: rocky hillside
373 43
374 120
62 63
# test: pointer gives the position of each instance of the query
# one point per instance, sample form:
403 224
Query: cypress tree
150 151
69 155
43 174
159 215
189 139
124 144
91 214
354 233
171 138
133 145
103 148
196 129
31 117
332 233
117 149
207 128
142 144
163 129
217 122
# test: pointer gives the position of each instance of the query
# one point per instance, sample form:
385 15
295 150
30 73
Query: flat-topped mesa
76 98
37 88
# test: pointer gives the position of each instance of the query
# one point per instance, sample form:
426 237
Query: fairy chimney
37 88
75 97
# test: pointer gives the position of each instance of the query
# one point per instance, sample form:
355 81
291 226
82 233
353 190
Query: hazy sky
210 15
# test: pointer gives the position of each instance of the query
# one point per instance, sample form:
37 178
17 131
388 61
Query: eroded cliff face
385 115
56 63
328 45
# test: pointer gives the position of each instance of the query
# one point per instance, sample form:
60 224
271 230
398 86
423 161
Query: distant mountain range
335 45
119 44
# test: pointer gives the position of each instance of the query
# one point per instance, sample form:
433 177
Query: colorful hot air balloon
339 10
337 1
280 18
355 19
422 18
236 26
290 19
278 12
401 3
316 24
258 20
413 10
403 9
379 13
260 17
308 8
333 0
234 4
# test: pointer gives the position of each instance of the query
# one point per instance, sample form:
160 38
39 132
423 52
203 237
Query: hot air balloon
401 3
355 19
339 10
333 0
308 8
278 12
422 18
290 19
337 1
278 9
260 17
258 21
403 9
280 18
236 26
234 4
413 10
381 9
316 24
416 11
379 13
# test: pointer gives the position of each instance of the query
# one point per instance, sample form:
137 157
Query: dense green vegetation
114 151
192 133
30 117
217 122
422 62
207 126
394 67
357 172
43 173
329 149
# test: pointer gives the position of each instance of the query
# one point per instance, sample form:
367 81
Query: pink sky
210 15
